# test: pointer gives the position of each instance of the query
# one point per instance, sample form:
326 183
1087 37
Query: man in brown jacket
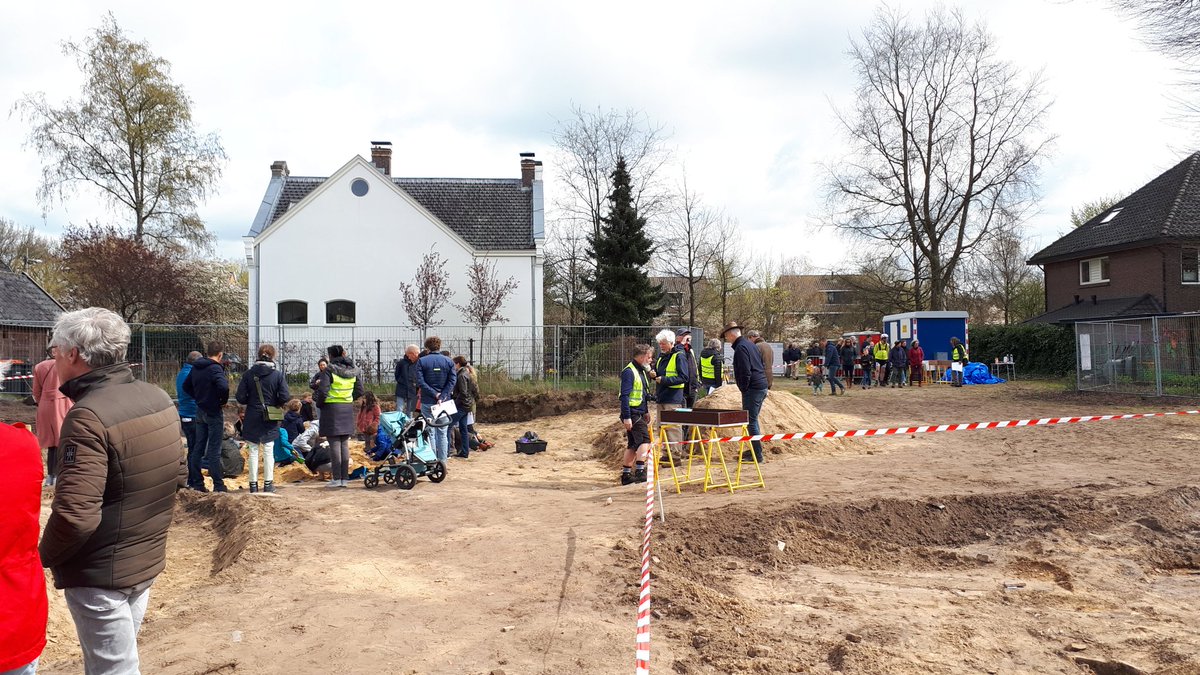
121 461
767 354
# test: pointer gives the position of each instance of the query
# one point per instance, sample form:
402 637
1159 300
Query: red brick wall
1130 274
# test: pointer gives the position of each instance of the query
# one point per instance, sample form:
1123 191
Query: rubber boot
253 486
269 487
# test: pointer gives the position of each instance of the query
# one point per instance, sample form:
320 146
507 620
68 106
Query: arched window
293 312
339 311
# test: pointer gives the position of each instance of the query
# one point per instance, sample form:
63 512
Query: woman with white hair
671 372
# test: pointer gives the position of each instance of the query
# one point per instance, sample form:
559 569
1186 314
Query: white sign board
1085 351
905 329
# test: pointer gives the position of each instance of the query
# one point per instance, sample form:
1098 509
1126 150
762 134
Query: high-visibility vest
638 395
341 389
959 353
881 351
673 371
708 368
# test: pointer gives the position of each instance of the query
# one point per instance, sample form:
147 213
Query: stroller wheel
389 477
436 472
406 477
370 480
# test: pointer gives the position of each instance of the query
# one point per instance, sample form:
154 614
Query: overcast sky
461 88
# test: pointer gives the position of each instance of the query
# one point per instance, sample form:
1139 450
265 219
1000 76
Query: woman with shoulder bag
263 390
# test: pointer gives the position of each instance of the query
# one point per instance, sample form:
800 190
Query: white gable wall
335 245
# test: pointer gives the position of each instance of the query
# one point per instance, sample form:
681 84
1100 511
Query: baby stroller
404 452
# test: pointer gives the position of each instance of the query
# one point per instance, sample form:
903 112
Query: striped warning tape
643 612
934 428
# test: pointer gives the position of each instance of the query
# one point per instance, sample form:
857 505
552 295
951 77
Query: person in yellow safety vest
635 399
672 374
881 352
712 362
958 354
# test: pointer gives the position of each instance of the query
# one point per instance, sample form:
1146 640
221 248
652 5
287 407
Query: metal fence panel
1179 355
567 357
1116 356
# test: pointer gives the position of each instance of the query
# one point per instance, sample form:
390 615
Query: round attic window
359 187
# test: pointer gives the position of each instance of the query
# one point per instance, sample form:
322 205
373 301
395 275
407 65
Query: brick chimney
279 169
529 167
381 156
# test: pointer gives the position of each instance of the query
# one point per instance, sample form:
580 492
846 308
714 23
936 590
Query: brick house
1140 257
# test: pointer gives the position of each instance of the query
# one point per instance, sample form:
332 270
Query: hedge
1037 348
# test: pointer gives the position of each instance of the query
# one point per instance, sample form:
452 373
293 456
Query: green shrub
1037 348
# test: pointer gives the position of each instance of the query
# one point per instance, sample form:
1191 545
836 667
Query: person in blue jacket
208 384
751 379
435 380
833 365
187 415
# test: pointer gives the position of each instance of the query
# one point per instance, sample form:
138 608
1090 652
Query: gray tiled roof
1167 208
491 214
23 300
1112 308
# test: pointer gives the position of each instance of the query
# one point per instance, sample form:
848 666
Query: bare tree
130 135
428 292
1172 28
590 143
488 294
727 277
690 251
566 268
946 142
1000 268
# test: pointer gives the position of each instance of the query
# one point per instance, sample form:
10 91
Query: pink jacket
52 405
368 418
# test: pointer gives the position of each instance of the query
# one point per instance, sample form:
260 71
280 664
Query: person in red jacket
22 585
916 363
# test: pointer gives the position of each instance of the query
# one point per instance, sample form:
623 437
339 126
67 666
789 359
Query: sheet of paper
956 366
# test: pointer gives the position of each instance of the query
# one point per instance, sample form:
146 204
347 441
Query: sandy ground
1015 551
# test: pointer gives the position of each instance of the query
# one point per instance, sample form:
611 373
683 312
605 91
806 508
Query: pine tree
623 294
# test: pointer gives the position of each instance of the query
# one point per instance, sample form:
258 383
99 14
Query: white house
330 253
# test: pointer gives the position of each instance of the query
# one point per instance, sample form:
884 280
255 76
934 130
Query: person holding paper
435 380
339 387
958 361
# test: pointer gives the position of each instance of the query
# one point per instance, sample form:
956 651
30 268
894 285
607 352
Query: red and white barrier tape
6 378
935 428
643 612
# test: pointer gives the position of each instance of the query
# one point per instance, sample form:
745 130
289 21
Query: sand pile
784 413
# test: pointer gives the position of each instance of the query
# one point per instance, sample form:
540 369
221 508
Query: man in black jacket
751 379
209 386
406 381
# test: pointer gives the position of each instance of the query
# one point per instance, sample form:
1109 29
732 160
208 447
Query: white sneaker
333 483
343 483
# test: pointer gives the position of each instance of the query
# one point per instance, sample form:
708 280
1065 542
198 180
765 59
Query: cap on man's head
682 332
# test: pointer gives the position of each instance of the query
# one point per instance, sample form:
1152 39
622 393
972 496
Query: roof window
1111 214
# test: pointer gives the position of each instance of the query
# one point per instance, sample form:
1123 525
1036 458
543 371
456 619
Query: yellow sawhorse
715 453
711 455
695 451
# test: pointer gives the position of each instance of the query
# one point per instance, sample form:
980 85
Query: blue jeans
210 430
107 623
866 378
439 436
462 421
752 401
191 433
834 382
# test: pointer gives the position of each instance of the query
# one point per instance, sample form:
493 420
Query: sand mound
608 446
784 413
232 520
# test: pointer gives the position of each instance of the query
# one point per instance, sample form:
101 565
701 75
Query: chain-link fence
1157 356
567 357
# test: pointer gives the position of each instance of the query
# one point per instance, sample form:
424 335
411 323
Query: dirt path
895 557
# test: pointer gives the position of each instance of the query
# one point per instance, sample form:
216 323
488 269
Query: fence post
378 360
145 361
471 349
557 365
1158 386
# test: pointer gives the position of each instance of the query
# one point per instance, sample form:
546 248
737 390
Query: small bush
1037 348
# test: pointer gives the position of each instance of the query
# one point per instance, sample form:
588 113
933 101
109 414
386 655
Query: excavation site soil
1063 549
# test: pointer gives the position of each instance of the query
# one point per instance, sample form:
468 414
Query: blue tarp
976 373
